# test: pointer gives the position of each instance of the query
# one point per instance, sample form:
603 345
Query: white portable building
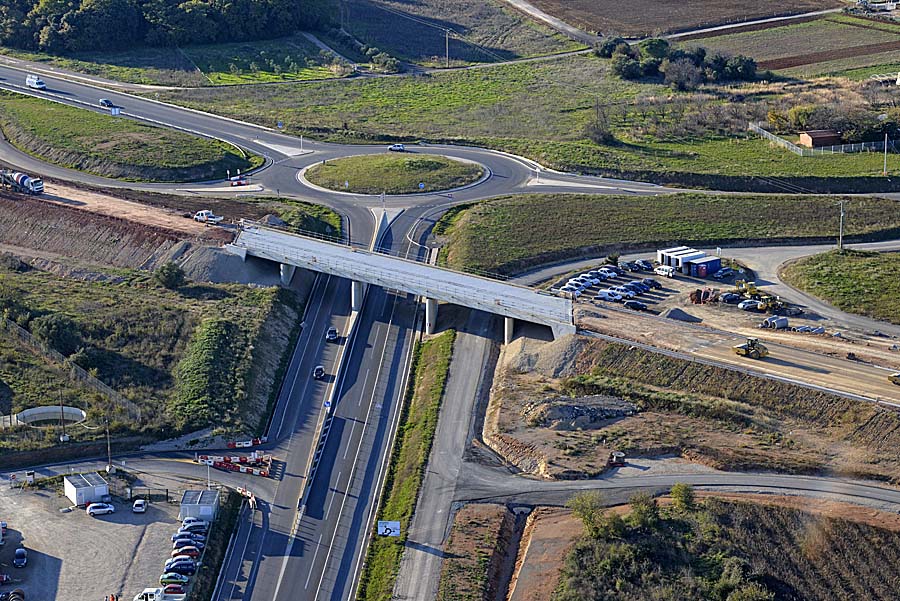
84 489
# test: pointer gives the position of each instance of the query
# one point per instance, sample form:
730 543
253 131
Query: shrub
654 48
170 276
57 331
683 74
626 67
606 48
682 496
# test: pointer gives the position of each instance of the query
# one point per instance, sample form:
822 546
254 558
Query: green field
183 356
418 422
114 147
541 110
487 31
488 236
293 58
400 173
726 550
855 281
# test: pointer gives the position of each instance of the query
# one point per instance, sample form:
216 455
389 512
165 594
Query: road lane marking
347 447
243 555
311 567
363 393
333 495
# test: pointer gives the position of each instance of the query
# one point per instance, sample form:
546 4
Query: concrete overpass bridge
433 283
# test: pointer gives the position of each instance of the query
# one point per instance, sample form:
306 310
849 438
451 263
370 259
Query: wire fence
809 152
74 371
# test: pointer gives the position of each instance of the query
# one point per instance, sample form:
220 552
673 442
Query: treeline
60 26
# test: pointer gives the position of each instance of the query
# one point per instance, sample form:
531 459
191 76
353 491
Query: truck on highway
158 594
35 83
22 182
207 216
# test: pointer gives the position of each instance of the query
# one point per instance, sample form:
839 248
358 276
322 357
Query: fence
75 372
809 152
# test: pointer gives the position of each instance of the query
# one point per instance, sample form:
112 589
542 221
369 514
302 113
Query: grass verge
489 235
859 282
217 545
114 147
394 173
418 422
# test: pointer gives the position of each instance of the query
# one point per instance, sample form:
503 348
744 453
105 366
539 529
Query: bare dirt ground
551 531
647 17
474 552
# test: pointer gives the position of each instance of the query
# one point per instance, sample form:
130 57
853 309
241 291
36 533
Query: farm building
202 504
83 489
816 138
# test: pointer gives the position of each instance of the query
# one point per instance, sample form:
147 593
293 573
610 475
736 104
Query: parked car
189 521
180 559
186 551
173 589
198 528
139 506
106 103
635 305
608 295
596 273
591 280
188 534
95 509
633 287
651 283
643 287
20 559
318 372
723 273
748 305
665 271
731 298
181 543
625 292
397 148
614 268
173 578
331 334
644 264
629 266
182 568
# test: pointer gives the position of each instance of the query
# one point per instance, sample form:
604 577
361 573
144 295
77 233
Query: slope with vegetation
724 551
487 236
855 281
114 147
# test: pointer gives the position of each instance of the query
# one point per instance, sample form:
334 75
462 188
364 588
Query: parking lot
654 299
74 557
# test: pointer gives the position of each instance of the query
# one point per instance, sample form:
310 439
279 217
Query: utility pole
885 154
109 466
447 46
841 229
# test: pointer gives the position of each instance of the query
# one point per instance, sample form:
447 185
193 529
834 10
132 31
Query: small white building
83 489
201 504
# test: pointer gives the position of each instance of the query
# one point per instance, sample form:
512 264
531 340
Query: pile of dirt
681 315
554 359
583 413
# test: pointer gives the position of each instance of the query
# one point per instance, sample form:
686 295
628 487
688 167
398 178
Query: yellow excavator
745 287
753 348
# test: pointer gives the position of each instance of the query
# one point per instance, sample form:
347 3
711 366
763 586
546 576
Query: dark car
644 287
723 273
183 568
731 298
331 335
615 269
651 283
106 103
319 373
644 264
635 305
187 542
633 287
21 558
188 534
180 560
628 266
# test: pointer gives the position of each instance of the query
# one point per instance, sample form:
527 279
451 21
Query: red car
189 551
174 589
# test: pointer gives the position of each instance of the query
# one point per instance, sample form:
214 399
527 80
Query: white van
665 270
36 83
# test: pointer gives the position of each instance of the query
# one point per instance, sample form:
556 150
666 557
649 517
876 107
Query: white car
749 305
609 295
194 522
590 278
625 292
609 273
397 148
139 506
100 509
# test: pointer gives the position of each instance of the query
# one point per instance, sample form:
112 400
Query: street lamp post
109 465
841 228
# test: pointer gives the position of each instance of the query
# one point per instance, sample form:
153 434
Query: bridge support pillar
287 273
431 313
356 295
509 326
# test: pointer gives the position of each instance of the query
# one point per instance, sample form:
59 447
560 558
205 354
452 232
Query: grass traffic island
488 236
400 173
418 422
854 281
114 147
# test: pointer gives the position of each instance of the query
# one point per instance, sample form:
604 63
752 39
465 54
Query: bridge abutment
431 313
509 326
357 292
287 273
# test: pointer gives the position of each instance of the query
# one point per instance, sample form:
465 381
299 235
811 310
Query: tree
683 74
613 258
590 508
57 331
751 592
683 496
644 511
626 67
170 276
654 48
606 48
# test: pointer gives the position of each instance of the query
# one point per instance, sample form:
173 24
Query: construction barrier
254 457
254 442
244 469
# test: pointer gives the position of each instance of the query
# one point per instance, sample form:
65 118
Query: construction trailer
705 266
84 489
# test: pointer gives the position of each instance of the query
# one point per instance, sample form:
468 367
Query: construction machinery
22 182
753 348
616 459
747 288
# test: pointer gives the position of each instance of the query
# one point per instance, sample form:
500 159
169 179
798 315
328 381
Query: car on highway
20 560
188 534
95 509
173 578
238 180
331 334
139 506
106 103
35 83
635 305
186 551
397 148
609 295
318 372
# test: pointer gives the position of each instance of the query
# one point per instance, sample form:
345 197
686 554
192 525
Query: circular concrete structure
51 415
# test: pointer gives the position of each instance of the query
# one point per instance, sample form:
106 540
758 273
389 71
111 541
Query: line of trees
60 26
